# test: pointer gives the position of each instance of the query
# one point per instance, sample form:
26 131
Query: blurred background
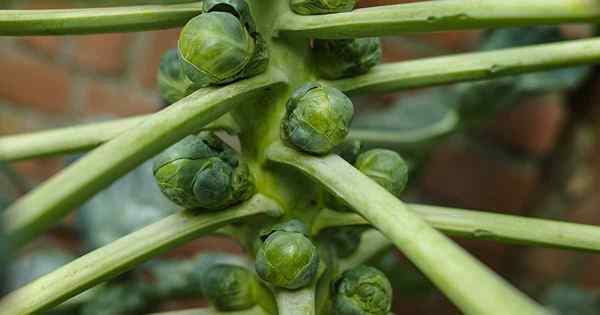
534 155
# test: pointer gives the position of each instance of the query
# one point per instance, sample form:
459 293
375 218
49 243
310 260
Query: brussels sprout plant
301 194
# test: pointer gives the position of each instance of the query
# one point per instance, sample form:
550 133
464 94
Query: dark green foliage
342 58
202 172
345 240
571 300
173 84
317 118
362 290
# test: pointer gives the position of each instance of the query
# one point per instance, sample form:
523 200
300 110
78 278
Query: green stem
210 311
472 66
372 242
95 20
486 225
81 138
296 302
49 202
468 283
442 15
124 253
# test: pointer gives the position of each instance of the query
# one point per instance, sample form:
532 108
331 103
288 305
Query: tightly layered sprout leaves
386 167
317 118
203 172
173 84
344 58
229 287
362 290
287 258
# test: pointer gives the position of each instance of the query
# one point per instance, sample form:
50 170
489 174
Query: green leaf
129 204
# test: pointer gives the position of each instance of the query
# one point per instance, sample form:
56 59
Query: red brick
105 99
31 82
206 244
159 42
452 42
48 45
38 170
534 126
468 177
11 123
104 53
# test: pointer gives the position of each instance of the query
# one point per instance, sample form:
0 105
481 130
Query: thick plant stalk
468 283
49 202
80 138
472 66
95 20
442 15
210 311
124 253
486 225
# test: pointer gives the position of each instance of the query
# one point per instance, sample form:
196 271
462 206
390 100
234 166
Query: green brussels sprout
386 167
173 84
341 58
345 239
362 290
222 45
348 150
311 7
287 258
317 118
202 172
229 287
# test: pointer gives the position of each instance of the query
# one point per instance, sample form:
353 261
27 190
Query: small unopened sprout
348 150
287 259
385 167
309 7
345 239
221 45
202 172
362 290
317 118
341 58
173 84
229 287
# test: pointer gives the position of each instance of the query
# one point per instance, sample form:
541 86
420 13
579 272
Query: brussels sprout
348 150
386 167
346 239
341 58
203 172
362 291
229 287
221 45
317 118
173 84
287 258
310 7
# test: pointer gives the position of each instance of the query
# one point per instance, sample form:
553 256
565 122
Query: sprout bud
229 287
385 167
173 84
287 259
342 58
317 118
363 291
202 172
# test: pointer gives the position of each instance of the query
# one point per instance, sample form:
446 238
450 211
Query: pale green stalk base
95 20
469 284
81 138
441 15
296 302
486 225
124 253
471 66
210 311
49 202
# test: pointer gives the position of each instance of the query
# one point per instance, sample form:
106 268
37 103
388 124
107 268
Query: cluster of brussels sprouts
218 46
203 172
